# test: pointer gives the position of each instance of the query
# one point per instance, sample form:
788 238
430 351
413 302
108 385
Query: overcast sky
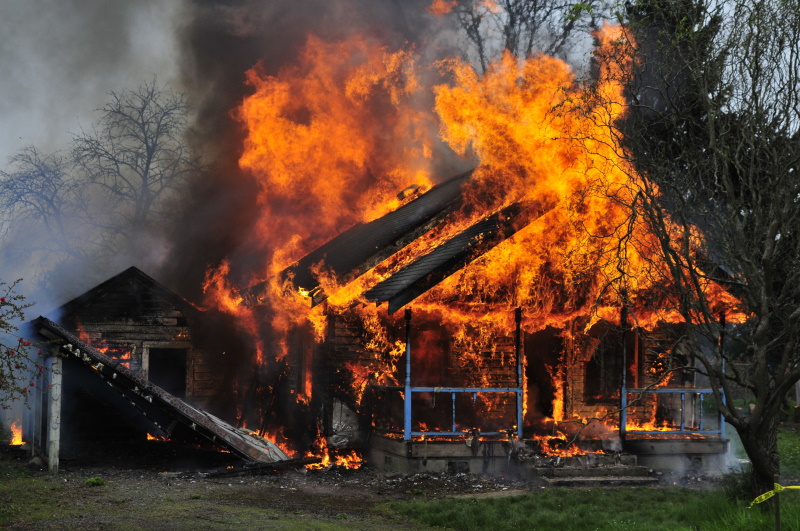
60 58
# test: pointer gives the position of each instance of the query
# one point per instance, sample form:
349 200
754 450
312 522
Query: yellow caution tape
775 490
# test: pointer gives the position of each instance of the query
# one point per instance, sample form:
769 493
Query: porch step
601 471
599 476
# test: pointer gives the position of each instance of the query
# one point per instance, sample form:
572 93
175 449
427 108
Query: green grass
24 493
789 450
94 482
34 499
600 509
29 497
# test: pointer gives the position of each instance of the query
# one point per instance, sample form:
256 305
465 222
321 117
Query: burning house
519 301
411 388
513 311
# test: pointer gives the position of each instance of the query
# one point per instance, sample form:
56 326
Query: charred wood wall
153 331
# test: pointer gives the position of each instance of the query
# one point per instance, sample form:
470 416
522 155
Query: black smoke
220 42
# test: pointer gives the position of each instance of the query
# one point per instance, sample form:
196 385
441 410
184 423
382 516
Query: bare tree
84 205
44 206
137 153
523 27
713 131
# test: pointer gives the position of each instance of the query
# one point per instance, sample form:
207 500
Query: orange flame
333 138
277 437
117 352
441 7
16 434
330 458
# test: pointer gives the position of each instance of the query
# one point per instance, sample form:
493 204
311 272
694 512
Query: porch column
54 415
407 395
518 349
623 391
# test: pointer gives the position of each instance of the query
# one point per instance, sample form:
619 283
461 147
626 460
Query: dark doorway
167 369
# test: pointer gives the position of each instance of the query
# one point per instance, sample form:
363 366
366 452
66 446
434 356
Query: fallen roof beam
364 245
418 277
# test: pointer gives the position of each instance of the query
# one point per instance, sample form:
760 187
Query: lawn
789 449
621 508
35 499
601 509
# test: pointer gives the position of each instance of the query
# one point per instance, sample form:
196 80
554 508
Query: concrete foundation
701 457
687 456
489 458
452 457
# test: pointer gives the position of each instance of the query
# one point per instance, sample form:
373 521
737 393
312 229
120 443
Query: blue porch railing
697 395
409 390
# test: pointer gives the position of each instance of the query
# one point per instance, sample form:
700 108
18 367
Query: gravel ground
140 492
164 485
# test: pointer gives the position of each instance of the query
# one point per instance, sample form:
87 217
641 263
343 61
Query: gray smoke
60 59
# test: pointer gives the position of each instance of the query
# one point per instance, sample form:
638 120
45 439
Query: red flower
2 299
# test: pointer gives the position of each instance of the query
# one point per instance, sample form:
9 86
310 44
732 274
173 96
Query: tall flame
334 137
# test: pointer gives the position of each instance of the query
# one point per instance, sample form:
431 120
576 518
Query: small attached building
140 328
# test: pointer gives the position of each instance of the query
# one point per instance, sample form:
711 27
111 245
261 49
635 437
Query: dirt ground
143 491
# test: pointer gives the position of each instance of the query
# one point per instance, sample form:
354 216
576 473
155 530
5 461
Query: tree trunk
760 441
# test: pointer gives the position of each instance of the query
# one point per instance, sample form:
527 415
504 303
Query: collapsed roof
162 409
418 277
365 245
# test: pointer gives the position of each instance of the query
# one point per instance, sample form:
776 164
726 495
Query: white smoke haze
60 59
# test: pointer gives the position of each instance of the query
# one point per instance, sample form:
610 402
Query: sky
60 58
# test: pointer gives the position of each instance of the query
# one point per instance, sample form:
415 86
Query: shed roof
130 291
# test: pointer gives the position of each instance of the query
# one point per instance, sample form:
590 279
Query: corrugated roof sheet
415 279
362 246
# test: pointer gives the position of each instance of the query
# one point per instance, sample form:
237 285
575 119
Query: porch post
722 364
518 349
407 395
54 416
623 391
